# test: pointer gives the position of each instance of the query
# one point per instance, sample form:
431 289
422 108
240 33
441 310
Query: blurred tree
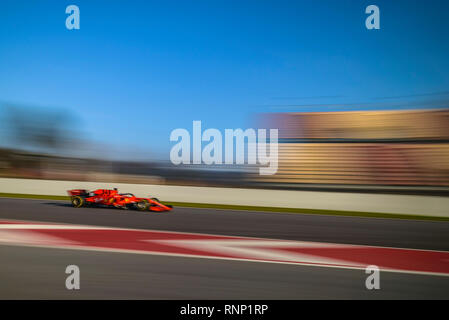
38 128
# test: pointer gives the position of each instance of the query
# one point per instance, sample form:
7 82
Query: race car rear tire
78 201
142 205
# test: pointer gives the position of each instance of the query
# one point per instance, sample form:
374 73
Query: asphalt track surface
38 273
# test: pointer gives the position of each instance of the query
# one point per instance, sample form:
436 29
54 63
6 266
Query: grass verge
256 208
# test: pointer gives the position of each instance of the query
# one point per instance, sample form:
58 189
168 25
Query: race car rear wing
77 192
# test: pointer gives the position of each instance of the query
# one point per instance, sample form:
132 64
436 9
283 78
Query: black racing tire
142 205
78 202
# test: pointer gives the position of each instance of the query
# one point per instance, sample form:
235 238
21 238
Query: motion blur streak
400 148
232 248
357 149
362 147
106 274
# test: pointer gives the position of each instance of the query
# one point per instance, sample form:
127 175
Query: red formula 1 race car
111 198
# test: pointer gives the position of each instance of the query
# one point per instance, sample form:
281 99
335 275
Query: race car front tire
77 201
142 205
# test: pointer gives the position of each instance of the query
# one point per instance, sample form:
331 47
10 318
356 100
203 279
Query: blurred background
355 108
394 148
318 149
363 120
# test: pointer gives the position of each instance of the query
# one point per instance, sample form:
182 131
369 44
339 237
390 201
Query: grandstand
405 148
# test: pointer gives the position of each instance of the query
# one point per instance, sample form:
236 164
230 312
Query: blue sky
136 70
